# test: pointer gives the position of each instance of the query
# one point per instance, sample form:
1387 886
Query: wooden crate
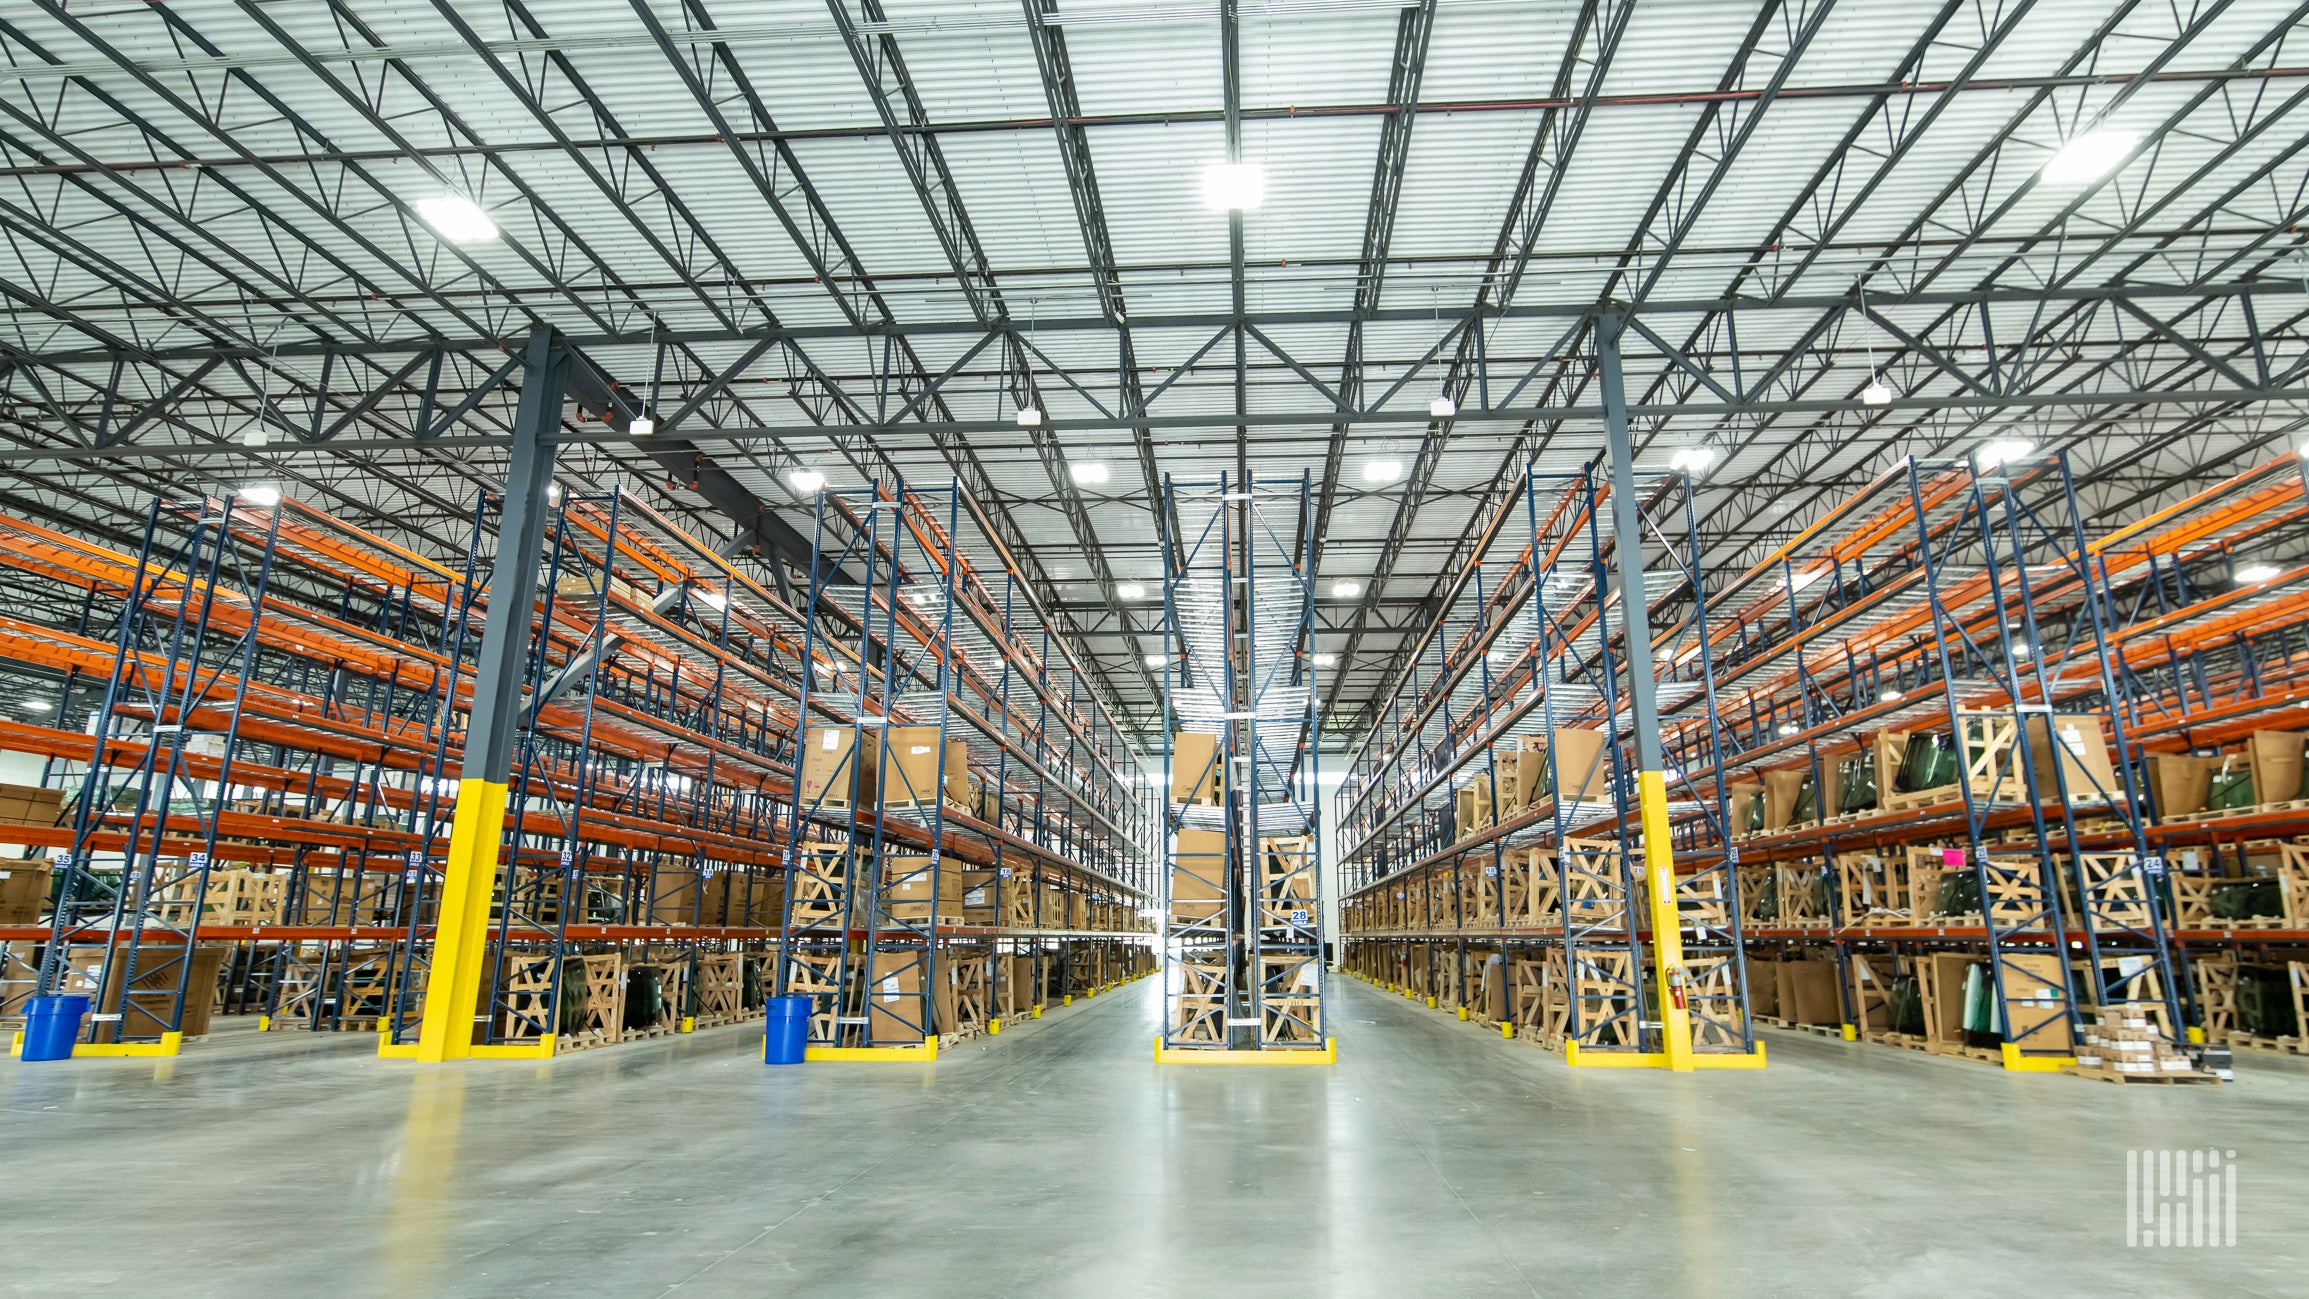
231 897
719 989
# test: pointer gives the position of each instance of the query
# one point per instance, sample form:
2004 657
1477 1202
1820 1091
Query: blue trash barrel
789 1030
51 1026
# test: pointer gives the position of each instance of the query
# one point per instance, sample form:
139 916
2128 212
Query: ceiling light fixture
1789 728
2003 451
2257 573
260 494
1130 591
2089 157
36 705
1442 408
1877 393
1234 187
1029 417
806 480
713 600
457 219
1087 473
1326 660
1387 471
1344 589
1692 460
641 427
1156 660
1889 696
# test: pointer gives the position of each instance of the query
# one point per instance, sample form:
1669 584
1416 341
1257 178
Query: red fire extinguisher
1676 986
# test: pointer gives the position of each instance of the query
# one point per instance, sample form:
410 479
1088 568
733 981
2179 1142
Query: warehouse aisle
1060 1161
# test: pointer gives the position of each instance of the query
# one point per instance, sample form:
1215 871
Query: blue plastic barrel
789 1030
51 1026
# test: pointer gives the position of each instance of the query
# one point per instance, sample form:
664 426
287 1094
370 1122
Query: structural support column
453 987
1651 765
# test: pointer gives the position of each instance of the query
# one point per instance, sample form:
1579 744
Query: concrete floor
1060 1161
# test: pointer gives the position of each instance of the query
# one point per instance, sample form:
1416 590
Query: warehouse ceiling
854 239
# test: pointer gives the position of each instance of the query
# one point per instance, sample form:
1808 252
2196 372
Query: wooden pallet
2274 1045
961 1035
2111 1075
1834 1032
2218 814
1958 1051
1897 802
2244 922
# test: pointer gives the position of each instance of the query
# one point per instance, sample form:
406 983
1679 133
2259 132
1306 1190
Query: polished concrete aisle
1061 1161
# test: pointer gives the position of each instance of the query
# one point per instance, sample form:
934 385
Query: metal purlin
196 565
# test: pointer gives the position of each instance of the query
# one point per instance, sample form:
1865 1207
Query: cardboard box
1763 986
1807 992
909 765
910 892
1522 771
1196 774
1019 992
155 990
31 805
577 592
2180 783
1582 767
2276 758
980 898
24 885
1782 790
764 900
961 787
2076 743
896 1009
1495 987
829 772
677 896
2035 1007
1198 882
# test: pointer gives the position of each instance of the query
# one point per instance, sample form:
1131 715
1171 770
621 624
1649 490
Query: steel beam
453 982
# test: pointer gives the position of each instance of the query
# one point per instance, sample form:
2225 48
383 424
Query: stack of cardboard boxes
24 879
914 894
900 763
1198 884
2123 1046
1197 773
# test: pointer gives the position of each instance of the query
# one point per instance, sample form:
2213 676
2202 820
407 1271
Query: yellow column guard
1667 935
453 985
